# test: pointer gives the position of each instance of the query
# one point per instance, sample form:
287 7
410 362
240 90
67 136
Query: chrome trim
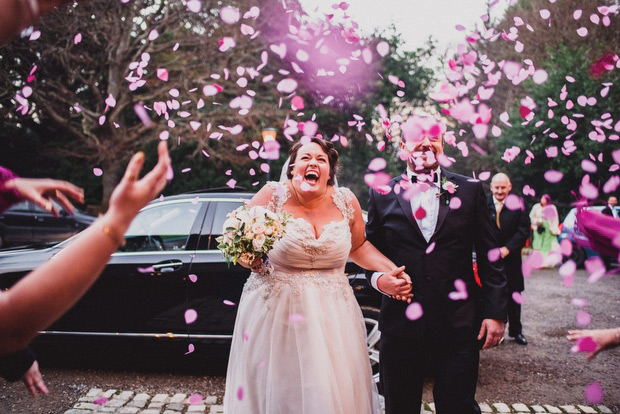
168 335
190 199
166 252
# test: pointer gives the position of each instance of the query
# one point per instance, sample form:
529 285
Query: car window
38 209
21 206
221 210
162 227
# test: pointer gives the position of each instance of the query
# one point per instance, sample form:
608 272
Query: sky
416 20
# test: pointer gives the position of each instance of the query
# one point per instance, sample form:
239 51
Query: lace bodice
299 249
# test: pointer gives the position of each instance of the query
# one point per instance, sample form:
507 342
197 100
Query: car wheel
578 256
373 335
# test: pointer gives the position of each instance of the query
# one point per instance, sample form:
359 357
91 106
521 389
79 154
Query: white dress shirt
429 201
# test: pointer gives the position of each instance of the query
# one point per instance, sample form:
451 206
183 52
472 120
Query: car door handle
168 266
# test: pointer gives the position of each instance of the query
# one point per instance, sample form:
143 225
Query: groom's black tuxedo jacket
394 231
514 231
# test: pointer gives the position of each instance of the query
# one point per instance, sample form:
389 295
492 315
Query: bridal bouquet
250 232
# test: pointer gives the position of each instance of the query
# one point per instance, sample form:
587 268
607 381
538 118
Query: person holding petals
430 219
299 343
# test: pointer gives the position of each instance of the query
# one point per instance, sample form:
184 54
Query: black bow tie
431 178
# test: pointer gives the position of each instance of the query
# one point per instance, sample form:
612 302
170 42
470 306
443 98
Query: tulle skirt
299 346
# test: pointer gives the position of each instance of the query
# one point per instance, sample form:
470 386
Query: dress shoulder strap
342 198
278 197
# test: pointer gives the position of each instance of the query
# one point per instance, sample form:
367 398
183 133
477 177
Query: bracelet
118 239
618 335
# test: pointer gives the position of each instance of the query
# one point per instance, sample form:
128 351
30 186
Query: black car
170 263
27 223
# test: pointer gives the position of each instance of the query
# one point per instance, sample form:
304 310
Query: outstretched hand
131 194
34 381
396 283
42 191
603 338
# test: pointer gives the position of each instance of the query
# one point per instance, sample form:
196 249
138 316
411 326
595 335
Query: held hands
396 283
34 381
254 266
494 331
604 338
41 191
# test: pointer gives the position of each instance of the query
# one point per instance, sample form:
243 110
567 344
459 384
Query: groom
429 220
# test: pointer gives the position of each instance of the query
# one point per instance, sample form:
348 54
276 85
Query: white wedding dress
299 344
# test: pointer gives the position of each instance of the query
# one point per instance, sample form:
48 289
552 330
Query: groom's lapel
444 207
406 206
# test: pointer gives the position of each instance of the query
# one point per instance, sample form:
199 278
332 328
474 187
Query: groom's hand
396 283
494 331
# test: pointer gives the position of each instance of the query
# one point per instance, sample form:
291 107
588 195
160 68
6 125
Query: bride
299 344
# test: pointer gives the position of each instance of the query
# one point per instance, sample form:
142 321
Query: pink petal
493 255
582 31
287 85
518 297
240 393
162 74
540 76
594 393
566 247
190 316
377 164
194 5
195 399
553 176
228 302
383 48
98 172
77 38
583 318
229 15
414 311
430 248
585 344
545 14
455 203
193 278
297 103
231 183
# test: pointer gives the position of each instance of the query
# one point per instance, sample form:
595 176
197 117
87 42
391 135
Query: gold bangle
618 335
113 234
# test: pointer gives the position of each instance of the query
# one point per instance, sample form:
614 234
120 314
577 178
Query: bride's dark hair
328 148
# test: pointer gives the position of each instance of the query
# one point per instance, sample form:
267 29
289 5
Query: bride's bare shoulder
265 194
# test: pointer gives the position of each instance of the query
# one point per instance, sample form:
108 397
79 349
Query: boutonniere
448 188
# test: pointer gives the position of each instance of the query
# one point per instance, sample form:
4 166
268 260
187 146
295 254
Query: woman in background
546 228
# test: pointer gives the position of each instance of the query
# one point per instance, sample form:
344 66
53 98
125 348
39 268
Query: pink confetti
595 268
229 15
585 344
430 248
455 203
148 269
553 176
77 38
582 31
583 318
594 393
517 297
566 247
483 176
190 349
419 214
98 172
545 14
287 85
100 401
194 5
35 35
231 183
540 76
377 164
195 399
190 316
494 255
461 290
240 393
533 261
297 103
414 311
162 74
296 317
383 48
193 278
141 113
228 302
579 302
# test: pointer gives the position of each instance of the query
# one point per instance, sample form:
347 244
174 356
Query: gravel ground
543 372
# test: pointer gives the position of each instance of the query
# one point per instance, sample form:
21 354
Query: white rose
231 223
258 227
258 241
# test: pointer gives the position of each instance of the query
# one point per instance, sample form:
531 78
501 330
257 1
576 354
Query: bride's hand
254 266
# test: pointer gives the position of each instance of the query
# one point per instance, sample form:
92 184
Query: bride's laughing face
311 169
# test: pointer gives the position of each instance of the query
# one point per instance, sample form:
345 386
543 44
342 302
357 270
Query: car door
216 292
48 227
16 224
142 291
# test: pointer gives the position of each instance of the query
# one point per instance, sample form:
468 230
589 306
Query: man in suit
431 227
513 225
610 208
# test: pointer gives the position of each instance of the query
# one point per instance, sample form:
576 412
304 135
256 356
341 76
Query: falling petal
229 15
287 85
582 31
594 393
583 318
430 248
162 74
194 5
228 302
517 297
77 38
297 103
190 349
101 401
240 393
553 176
377 164
193 278
494 255
461 290
231 183
98 172
545 14
414 311
190 316
455 203
383 48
